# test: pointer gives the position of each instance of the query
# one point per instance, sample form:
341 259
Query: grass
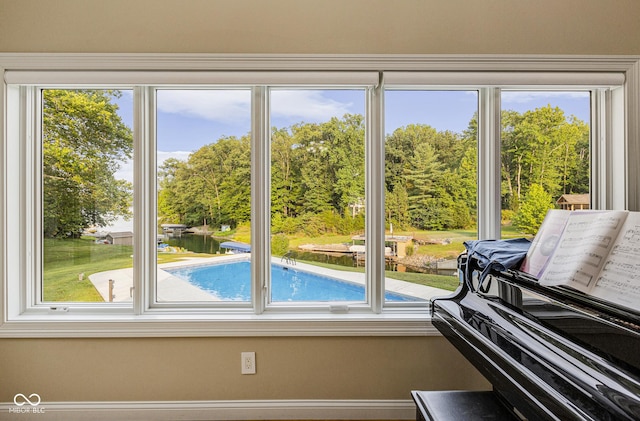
450 283
295 242
66 259
446 282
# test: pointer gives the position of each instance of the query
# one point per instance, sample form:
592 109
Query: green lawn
66 259
449 283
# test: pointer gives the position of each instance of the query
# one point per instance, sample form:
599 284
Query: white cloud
523 97
126 168
306 105
232 106
164 155
218 105
126 171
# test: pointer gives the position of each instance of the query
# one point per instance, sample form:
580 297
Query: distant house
173 230
123 238
573 201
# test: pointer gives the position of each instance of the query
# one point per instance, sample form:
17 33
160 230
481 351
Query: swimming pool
232 282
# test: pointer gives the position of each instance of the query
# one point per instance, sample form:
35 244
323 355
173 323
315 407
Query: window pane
87 196
431 188
545 157
317 195
204 195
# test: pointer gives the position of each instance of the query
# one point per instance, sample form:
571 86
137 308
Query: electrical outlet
248 362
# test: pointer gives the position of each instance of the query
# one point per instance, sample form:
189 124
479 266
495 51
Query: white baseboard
213 410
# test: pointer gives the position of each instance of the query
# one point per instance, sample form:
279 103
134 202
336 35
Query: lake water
206 244
196 243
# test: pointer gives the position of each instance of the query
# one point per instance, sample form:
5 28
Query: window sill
240 325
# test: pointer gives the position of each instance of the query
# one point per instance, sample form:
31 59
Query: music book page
619 279
545 242
596 252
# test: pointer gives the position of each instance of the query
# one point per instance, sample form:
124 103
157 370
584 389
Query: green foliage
397 207
533 209
84 142
317 174
543 147
409 250
506 216
214 184
279 244
430 178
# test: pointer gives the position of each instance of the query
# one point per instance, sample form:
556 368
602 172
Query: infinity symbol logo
25 400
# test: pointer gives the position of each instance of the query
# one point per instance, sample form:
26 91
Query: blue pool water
232 281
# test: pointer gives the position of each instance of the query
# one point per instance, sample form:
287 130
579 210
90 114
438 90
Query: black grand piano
550 353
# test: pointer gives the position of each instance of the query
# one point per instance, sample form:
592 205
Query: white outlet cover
248 362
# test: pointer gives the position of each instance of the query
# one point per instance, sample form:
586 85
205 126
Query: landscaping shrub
279 244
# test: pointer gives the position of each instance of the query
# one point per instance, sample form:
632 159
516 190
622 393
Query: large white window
323 197
203 158
431 161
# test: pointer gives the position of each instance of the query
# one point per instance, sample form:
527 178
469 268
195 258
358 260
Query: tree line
317 171
318 175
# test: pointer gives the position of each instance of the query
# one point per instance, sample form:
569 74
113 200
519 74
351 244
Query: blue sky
189 119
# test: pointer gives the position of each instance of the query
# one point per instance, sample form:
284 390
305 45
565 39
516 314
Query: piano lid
550 354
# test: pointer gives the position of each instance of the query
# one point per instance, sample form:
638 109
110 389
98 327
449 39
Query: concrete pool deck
174 289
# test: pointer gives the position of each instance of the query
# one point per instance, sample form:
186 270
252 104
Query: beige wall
322 26
288 368
209 368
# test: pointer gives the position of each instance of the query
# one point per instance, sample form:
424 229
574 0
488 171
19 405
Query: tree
330 161
285 173
531 213
84 142
543 147
172 206
213 185
467 178
397 207
422 173
347 160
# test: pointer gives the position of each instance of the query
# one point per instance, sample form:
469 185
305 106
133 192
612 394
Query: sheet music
545 242
619 279
582 249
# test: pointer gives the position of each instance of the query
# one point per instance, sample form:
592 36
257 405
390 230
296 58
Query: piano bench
456 405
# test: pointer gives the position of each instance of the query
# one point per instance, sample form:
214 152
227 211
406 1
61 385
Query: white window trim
617 136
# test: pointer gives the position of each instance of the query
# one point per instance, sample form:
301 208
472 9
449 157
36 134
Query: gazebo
573 201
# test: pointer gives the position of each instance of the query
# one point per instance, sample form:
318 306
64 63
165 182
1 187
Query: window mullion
489 129
260 199
608 159
626 102
622 160
600 132
31 140
144 204
374 182
29 206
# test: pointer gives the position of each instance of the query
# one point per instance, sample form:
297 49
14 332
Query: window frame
615 134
